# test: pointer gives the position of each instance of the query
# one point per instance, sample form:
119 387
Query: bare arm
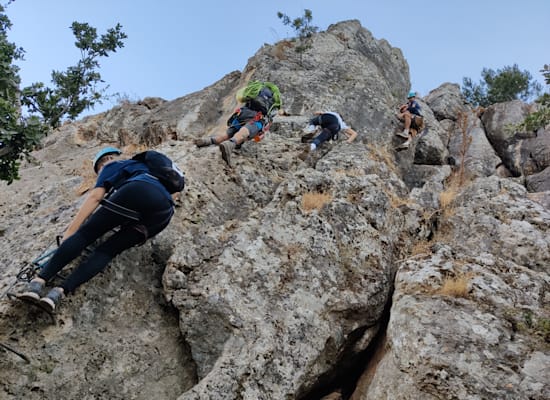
351 134
87 208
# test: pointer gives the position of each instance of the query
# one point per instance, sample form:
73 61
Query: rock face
361 273
505 141
488 341
447 102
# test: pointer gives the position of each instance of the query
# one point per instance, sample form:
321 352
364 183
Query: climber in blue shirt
410 113
125 196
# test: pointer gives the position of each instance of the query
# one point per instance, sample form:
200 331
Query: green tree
506 84
76 89
541 117
302 27
18 134
546 73
73 91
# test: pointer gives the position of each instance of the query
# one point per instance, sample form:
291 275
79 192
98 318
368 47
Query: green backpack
260 96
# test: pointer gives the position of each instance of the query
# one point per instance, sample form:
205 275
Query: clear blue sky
176 47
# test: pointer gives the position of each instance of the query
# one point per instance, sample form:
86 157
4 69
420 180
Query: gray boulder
446 102
469 145
497 120
276 276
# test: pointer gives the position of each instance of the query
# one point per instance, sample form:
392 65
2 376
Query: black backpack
263 102
162 168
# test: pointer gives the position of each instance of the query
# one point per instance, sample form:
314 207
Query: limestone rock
506 142
469 315
275 276
446 101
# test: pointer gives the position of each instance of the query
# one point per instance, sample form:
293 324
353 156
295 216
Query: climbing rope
18 353
28 270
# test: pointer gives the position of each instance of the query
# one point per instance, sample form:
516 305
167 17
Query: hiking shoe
403 134
307 137
51 300
227 148
404 145
33 291
203 142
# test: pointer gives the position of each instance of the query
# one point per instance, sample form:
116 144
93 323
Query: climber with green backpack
260 103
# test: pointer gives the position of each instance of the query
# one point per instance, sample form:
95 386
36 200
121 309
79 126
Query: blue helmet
411 94
104 152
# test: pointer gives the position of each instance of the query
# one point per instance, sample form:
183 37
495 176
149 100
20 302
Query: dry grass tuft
447 197
456 286
88 177
421 247
278 50
396 201
459 177
466 139
132 148
315 201
382 154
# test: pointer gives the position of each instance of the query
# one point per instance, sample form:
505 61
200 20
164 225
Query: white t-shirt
340 120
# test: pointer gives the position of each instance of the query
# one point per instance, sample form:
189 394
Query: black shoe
307 137
33 292
51 300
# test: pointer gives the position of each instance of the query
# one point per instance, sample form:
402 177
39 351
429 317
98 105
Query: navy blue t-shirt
414 108
117 173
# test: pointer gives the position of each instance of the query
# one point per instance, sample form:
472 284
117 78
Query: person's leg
242 135
247 132
408 133
311 129
325 135
212 140
228 134
407 119
234 126
100 222
228 146
155 213
330 127
97 261
417 125
97 224
220 138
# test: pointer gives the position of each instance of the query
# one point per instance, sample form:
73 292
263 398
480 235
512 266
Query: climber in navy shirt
125 196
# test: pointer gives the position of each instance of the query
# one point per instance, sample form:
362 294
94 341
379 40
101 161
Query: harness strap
120 210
